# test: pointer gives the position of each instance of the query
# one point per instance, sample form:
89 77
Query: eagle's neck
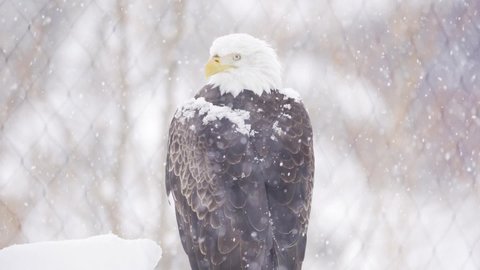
235 91
260 78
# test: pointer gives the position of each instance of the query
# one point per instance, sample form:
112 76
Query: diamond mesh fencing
87 90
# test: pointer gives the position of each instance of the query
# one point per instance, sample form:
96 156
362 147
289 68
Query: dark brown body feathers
243 199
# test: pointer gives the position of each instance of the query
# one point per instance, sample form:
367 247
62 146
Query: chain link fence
87 90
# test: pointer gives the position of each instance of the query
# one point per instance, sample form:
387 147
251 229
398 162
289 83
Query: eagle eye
237 57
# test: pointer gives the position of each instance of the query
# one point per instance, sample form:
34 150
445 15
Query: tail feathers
289 258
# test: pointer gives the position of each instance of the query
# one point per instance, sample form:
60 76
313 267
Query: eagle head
240 61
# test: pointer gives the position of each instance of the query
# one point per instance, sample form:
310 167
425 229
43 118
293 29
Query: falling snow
392 89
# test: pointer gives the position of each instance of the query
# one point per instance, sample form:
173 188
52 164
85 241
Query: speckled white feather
258 69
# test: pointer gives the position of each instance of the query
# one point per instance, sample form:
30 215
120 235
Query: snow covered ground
103 252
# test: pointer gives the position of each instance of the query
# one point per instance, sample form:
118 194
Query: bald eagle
240 163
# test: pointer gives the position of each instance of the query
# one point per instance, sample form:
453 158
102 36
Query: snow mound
103 252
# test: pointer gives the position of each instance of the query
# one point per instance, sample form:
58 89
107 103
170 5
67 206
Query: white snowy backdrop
87 89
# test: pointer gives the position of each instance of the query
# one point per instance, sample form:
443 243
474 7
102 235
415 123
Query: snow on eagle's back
290 93
213 112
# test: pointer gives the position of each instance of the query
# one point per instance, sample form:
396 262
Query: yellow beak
214 66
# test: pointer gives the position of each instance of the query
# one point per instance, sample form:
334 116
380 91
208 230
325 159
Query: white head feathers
254 64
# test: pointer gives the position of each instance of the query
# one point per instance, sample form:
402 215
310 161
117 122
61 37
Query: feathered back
241 172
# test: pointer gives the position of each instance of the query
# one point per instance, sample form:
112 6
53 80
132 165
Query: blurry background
87 90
